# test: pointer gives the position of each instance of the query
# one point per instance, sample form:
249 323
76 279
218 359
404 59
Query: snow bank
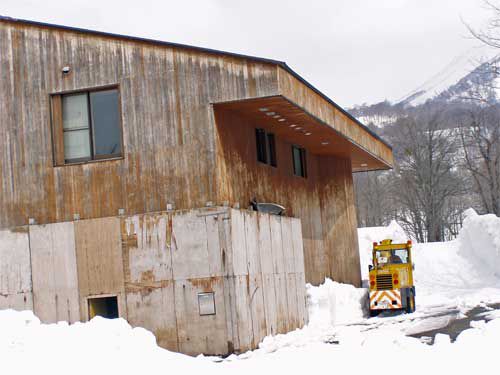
335 303
367 236
479 242
100 346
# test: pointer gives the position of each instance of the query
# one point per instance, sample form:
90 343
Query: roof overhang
292 123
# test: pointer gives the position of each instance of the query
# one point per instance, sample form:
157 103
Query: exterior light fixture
263 109
276 116
298 128
281 120
308 133
270 113
324 143
293 126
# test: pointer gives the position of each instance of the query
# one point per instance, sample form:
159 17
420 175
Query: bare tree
490 33
373 198
426 178
480 136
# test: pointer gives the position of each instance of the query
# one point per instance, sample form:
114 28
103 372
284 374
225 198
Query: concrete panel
287 245
257 309
252 243
15 270
238 241
189 246
270 301
302 313
196 333
55 280
277 244
241 299
280 285
291 293
215 246
146 253
154 309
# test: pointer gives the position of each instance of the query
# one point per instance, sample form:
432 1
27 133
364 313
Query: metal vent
384 282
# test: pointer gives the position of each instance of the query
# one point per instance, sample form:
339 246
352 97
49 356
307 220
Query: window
266 147
299 161
391 256
86 126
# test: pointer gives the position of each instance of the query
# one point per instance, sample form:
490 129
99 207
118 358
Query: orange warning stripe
390 295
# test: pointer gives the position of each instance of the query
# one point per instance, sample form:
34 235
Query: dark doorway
107 307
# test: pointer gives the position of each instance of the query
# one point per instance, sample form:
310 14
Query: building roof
282 64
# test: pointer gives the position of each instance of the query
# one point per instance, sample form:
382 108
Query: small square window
206 303
86 126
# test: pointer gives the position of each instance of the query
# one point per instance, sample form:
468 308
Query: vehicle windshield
396 256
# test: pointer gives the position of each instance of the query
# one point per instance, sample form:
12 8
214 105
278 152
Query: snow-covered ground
451 279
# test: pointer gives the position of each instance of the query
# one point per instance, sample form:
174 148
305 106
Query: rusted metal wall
323 201
156 265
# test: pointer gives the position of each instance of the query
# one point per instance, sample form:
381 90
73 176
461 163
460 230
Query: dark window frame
58 131
302 160
266 147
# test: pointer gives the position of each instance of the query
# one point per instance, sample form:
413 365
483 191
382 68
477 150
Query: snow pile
479 242
329 305
367 236
335 303
100 346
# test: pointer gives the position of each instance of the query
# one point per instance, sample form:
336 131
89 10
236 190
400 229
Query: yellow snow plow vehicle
391 278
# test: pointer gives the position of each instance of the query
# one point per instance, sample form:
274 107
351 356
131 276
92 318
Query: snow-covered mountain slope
461 79
466 76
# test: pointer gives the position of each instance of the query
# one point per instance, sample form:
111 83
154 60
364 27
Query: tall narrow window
86 126
76 127
299 161
260 137
266 147
271 143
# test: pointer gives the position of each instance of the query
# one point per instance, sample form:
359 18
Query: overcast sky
355 51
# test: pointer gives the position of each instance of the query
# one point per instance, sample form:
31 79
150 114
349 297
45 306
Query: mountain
462 79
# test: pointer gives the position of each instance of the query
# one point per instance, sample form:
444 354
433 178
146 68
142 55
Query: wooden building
97 129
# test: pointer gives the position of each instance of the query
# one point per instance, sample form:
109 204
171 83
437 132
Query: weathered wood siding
323 201
15 270
99 262
166 115
312 102
173 152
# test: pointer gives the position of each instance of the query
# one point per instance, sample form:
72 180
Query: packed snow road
455 329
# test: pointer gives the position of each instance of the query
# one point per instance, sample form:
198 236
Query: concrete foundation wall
160 266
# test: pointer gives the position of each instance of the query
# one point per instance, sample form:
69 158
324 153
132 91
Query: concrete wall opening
107 307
